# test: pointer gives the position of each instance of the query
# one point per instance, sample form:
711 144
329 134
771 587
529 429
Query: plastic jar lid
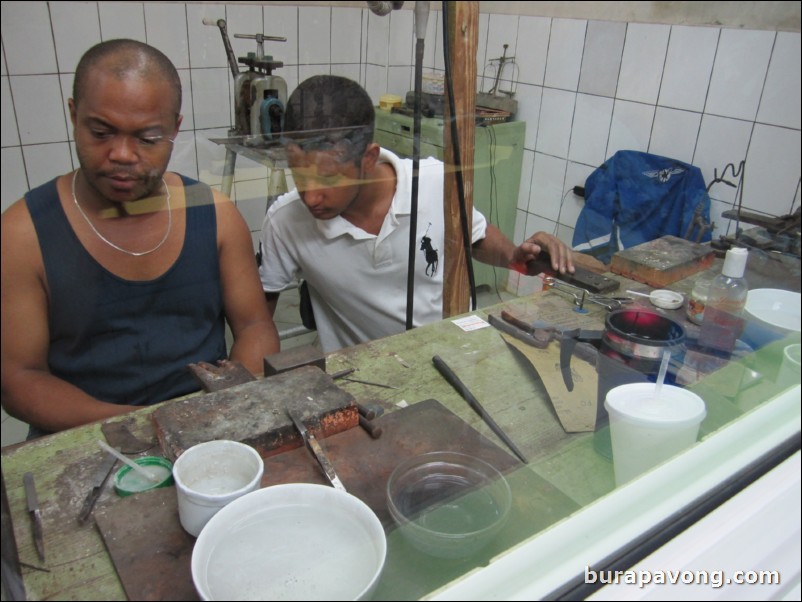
127 481
388 101
666 299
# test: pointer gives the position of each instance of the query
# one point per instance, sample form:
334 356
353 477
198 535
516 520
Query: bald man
119 274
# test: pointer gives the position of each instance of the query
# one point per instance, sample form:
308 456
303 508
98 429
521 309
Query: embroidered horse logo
430 253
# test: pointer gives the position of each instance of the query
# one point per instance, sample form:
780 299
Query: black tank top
129 342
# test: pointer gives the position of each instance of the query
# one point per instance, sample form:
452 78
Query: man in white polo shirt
345 228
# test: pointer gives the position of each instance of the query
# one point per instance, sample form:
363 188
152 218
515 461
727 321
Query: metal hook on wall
736 173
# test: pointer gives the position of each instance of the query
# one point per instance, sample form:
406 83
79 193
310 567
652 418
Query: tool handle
232 58
540 265
342 373
30 492
509 318
455 382
36 515
366 413
260 37
373 430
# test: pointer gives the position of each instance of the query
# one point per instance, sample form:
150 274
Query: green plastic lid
127 481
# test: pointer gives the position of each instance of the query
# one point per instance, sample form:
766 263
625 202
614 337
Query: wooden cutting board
152 553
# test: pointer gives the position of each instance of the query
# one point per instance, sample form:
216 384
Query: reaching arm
496 249
29 391
272 303
247 312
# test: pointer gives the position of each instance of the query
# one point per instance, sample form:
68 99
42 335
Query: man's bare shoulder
16 222
19 243
231 225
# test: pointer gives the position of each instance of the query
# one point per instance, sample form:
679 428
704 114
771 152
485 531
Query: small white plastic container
210 475
789 369
646 431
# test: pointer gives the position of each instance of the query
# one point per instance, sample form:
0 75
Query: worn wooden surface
78 564
463 38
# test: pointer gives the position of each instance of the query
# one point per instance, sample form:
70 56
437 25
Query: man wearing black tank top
119 274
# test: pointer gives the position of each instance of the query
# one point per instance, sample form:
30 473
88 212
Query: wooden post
463 18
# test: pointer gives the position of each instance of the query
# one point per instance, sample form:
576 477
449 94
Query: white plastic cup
210 475
646 431
789 374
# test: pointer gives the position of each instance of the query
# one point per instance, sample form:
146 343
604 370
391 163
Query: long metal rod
367 382
413 213
455 382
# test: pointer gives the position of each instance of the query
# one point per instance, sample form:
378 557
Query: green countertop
564 473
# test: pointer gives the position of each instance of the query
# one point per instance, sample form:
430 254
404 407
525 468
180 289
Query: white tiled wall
706 95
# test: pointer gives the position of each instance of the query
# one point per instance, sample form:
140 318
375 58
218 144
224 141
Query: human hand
542 252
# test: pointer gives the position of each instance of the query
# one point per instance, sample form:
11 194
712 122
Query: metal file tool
36 514
317 451
455 382
98 481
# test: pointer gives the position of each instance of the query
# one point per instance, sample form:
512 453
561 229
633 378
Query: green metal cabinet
498 155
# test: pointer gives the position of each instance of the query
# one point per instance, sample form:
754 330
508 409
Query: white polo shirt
357 280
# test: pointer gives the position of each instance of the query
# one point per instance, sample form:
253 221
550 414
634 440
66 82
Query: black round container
639 338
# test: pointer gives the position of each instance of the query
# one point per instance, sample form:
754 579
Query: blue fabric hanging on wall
635 197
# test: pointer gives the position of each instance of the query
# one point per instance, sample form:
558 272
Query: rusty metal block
663 261
256 413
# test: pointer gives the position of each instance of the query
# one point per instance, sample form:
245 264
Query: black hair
329 111
126 57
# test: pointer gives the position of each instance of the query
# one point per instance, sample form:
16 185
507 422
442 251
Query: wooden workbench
564 472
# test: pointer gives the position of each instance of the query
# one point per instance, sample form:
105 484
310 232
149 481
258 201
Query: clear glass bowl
448 504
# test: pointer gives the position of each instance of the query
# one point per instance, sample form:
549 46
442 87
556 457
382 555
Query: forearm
52 404
253 343
494 249
272 303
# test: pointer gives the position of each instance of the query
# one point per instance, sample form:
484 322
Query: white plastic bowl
290 542
771 314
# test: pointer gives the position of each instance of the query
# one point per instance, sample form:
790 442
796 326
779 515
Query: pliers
540 335
582 295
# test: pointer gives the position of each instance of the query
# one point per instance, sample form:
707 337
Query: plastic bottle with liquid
722 321
695 307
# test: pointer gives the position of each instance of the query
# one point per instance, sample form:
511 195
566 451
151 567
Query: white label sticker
471 323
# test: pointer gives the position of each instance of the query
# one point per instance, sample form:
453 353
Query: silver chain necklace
111 244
